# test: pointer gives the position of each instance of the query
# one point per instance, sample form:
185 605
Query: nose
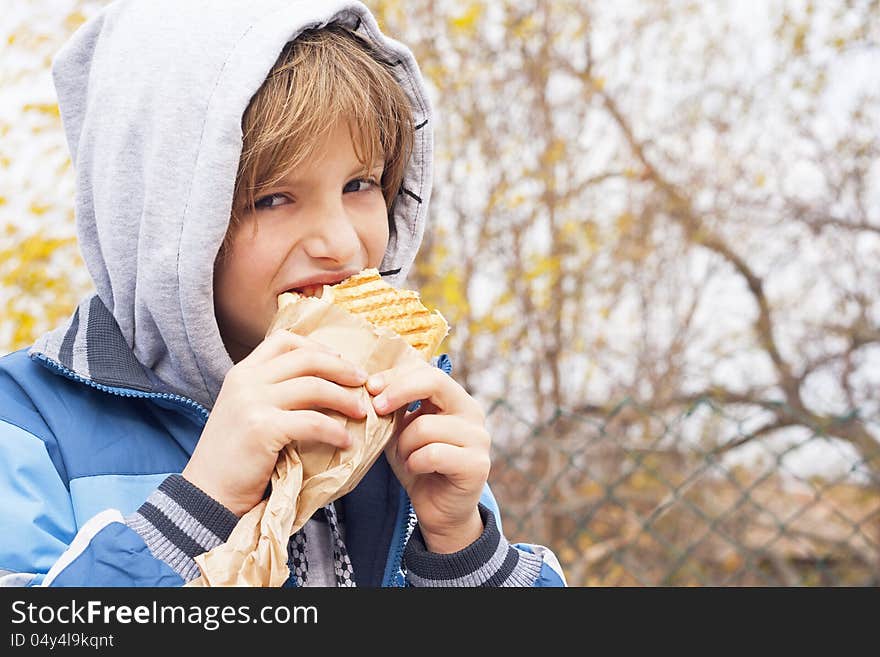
334 237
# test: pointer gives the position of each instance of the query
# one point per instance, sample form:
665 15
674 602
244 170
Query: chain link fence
696 497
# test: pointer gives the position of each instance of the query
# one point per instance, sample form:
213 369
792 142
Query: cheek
246 268
375 238
378 245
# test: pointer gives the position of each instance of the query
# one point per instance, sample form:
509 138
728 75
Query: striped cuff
179 522
488 561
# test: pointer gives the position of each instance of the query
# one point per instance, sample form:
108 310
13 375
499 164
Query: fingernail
375 381
380 402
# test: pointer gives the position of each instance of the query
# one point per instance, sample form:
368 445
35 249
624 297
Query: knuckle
310 358
283 337
484 466
314 423
252 420
432 454
312 386
319 346
417 429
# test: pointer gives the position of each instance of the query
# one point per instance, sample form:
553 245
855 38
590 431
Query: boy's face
323 220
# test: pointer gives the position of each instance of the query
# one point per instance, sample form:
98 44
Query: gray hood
151 94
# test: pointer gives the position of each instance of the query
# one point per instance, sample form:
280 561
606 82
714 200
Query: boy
133 438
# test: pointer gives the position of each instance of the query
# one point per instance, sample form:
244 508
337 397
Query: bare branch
682 211
767 428
818 221
858 335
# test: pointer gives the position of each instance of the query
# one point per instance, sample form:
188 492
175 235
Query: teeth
312 291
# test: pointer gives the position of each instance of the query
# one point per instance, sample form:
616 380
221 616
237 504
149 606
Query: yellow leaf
45 108
625 222
555 152
453 294
38 209
570 228
466 24
543 265
800 40
436 73
525 29
74 20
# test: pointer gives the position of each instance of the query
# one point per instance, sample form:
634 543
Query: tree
640 210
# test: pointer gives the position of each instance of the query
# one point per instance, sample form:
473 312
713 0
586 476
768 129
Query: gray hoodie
151 94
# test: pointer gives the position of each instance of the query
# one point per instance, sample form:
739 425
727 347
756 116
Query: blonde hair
322 77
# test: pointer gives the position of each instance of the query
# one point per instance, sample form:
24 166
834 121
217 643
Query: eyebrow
362 169
359 170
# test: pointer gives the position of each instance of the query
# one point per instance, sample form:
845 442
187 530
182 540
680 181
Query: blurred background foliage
655 230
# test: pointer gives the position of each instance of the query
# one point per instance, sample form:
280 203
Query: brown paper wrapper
309 475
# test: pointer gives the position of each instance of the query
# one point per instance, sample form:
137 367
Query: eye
267 202
360 185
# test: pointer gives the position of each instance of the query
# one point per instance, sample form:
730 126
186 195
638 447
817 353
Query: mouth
310 290
314 287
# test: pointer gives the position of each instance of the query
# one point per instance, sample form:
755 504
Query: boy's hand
440 453
268 399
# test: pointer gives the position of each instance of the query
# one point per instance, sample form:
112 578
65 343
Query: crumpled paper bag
309 475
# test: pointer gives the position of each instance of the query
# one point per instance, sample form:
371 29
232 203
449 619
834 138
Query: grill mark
354 281
367 295
380 306
410 331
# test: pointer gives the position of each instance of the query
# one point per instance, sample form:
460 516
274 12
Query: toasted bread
367 295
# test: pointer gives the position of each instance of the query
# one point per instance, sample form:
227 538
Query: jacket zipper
407 521
402 533
122 392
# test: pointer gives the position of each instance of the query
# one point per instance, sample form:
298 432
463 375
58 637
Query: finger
428 383
379 380
314 362
282 341
312 426
459 464
447 429
408 418
312 392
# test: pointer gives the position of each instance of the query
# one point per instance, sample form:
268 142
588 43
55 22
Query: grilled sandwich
365 294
